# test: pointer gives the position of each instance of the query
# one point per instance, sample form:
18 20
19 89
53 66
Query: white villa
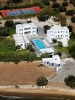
28 28
21 31
52 62
19 40
59 33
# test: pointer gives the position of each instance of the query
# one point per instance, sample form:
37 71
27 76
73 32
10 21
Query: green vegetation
62 49
70 81
46 27
46 13
60 44
41 65
11 31
42 81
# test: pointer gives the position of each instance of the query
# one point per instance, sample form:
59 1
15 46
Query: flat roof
18 38
47 50
58 27
25 25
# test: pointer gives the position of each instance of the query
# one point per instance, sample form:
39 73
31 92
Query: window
27 28
34 27
58 36
66 35
27 32
34 31
20 29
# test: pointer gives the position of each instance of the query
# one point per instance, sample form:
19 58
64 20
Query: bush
65 3
70 28
42 81
60 44
70 12
62 9
72 36
56 5
3 31
41 65
29 47
54 41
73 19
9 23
59 53
46 2
70 81
46 27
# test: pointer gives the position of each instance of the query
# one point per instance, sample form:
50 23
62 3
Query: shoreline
38 92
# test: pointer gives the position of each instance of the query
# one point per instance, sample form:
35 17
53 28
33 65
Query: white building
52 62
19 40
59 33
28 28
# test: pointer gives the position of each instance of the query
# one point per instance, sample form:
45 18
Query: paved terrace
68 68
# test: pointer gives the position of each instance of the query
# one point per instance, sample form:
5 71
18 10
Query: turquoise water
39 44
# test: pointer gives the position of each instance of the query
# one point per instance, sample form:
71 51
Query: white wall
59 33
26 28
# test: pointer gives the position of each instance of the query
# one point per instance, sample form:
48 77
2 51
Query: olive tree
42 81
70 81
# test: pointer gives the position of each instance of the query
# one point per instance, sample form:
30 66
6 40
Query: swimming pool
39 44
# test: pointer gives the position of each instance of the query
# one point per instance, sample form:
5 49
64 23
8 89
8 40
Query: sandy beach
25 74
38 93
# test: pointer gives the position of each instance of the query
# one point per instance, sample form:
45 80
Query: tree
61 9
65 3
54 41
29 47
46 27
3 31
59 53
42 81
56 5
71 47
70 12
72 36
46 2
16 1
73 19
70 28
9 23
70 81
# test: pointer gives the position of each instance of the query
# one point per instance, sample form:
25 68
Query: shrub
60 44
56 5
61 9
46 27
70 28
46 2
42 81
59 53
70 81
41 65
9 23
65 3
54 41
73 19
70 12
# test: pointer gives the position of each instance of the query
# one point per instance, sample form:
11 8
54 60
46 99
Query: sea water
33 98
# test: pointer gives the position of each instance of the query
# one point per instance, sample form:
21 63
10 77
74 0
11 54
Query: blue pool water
39 44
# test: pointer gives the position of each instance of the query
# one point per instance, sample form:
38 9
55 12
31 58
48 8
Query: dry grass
23 73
